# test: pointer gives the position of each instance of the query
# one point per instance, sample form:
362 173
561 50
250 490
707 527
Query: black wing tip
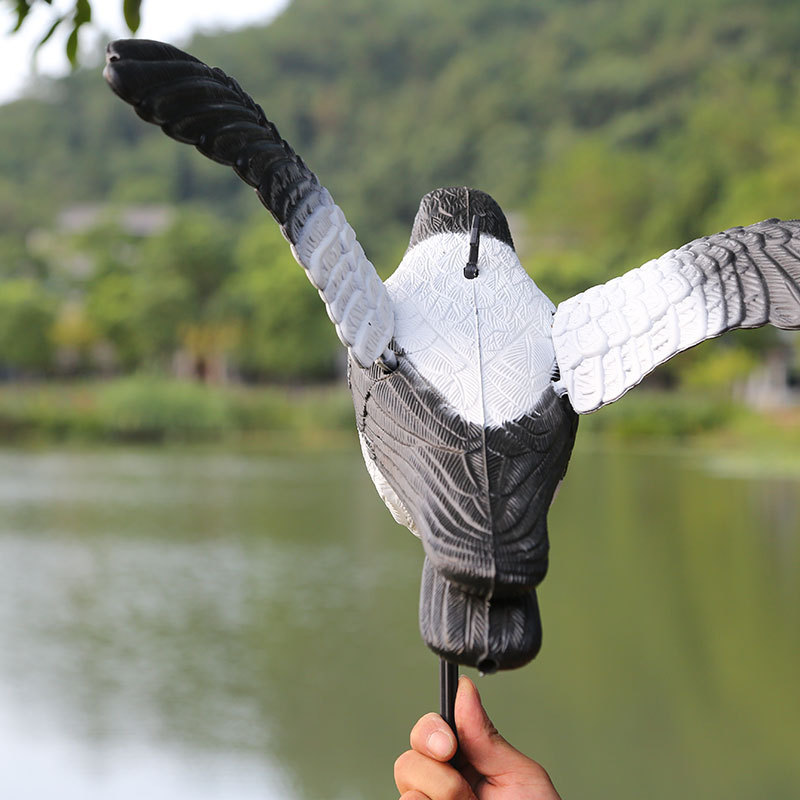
125 57
145 50
184 96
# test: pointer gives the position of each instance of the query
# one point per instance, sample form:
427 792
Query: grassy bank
145 409
695 418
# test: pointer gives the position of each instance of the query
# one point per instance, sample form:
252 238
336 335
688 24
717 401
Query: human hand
490 768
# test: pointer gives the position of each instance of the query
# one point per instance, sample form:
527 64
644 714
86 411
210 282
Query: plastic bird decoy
467 381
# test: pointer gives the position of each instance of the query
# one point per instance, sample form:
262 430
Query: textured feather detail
471 628
451 209
478 498
200 105
609 337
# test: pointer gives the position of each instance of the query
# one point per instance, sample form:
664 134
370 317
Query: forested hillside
609 132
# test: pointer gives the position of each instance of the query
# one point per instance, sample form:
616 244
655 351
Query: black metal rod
448 685
471 270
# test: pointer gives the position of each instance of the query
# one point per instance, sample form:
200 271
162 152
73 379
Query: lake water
195 624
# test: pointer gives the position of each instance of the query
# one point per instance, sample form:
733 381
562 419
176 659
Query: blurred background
200 593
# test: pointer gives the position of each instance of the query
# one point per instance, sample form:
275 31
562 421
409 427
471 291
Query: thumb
485 749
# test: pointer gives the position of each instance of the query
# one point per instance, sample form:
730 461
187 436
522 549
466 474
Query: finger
414 795
432 737
486 750
415 772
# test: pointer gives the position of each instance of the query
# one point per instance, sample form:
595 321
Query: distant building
143 220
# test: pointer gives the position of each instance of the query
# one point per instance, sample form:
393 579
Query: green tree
589 200
178 279
286 333
98 314
154 295
111 306
27 314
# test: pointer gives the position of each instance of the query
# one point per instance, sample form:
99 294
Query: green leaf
83 13
131 10
47 36
23 7
72 47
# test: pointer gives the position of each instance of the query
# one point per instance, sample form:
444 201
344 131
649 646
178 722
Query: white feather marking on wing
385 491
608 338
354 295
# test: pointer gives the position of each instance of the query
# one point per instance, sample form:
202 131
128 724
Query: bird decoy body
462 451
467 381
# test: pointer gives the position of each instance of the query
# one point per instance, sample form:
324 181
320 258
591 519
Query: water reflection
202 624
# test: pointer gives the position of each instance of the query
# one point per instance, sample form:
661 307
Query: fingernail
439 744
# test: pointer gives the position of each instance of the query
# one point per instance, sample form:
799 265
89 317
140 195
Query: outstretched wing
609 337
196 104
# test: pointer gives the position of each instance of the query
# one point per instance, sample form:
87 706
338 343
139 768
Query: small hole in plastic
488 666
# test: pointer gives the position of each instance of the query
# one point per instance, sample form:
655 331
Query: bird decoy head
452 209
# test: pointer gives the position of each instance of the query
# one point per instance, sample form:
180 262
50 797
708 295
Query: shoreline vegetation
153 410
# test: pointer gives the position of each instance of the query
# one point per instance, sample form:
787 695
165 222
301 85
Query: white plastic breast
484 343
